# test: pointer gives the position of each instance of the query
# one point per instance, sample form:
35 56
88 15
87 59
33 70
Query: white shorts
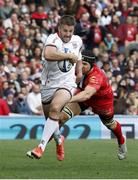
47 94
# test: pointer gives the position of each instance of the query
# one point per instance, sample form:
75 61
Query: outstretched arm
84 95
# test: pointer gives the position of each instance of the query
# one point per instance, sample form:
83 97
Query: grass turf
84 159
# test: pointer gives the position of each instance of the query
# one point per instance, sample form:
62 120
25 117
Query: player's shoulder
53 36
76 38
96 70
53 39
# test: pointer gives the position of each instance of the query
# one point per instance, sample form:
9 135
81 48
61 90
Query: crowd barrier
79 127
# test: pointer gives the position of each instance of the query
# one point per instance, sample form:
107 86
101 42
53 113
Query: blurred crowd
109 28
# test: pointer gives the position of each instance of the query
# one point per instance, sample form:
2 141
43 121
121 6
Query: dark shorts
106 114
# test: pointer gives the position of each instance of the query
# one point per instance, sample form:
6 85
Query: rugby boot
60 149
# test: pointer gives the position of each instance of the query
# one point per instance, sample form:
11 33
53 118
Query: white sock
49 129
57 136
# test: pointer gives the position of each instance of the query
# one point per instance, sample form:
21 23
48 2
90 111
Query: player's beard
66 39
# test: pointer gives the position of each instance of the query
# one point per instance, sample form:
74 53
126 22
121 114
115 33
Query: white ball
65 65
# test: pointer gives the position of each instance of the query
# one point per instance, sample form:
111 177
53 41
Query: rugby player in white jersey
62 68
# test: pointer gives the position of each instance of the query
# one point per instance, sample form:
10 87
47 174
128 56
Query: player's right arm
51 53
52 50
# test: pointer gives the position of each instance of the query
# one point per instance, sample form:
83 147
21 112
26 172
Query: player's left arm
94 84
84 95
78 71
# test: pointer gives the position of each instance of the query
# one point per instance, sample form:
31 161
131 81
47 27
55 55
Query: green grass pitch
84 159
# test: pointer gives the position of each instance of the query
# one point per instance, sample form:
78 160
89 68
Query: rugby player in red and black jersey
96 92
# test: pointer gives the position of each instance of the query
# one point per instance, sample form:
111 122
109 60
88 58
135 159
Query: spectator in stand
96 35
132 102
136 75
25 33
57 15
28 48
22 105
6 9
115 67
5 58
131 31
45 30
130 68
134 14
2 31
15 44
13 78
5 88
114 51
72 7
83 26
10 22
37 54
4 72
81 10
103 57
53 20
117 30
25 80
105 17
94 11
106 67
125 10
109 41
4 109
49 4
132 110
34 100
120 105
32 7
122 62
39 15
11 102
115 4
24 90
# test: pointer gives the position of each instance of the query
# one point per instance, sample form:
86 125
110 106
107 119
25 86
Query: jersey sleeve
52 40
95 81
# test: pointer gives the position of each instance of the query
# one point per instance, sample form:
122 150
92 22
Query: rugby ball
65 65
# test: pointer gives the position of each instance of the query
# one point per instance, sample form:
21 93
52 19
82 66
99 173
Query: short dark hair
67 20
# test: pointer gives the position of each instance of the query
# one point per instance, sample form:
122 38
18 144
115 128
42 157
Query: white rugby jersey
52 76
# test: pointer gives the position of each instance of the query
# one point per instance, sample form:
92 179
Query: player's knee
54 112
54 108
68 112
108 121
65 115
111 125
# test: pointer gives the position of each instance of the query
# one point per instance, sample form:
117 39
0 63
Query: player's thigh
60 98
